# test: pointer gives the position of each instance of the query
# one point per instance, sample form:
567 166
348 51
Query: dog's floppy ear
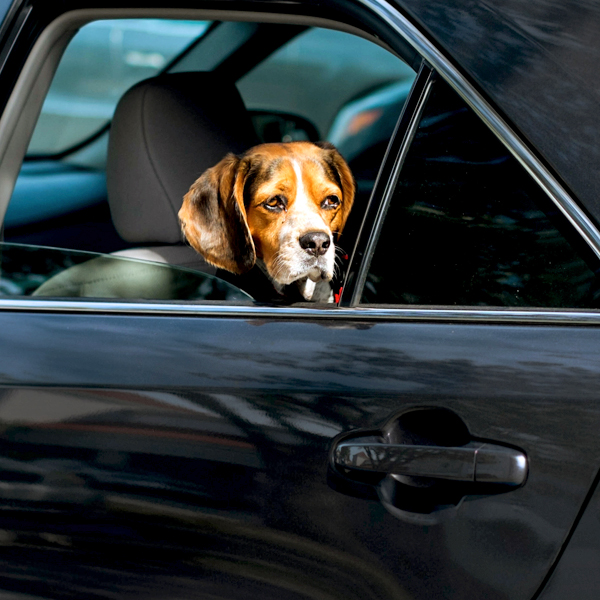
344 179
213 217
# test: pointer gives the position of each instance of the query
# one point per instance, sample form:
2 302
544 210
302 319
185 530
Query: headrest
165 133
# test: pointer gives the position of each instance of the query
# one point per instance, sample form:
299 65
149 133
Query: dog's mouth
317 274
315 271
313 268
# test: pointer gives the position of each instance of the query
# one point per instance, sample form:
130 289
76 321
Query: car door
176 449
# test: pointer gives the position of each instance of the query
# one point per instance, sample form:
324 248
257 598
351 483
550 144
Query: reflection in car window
468 226
51 272
103 60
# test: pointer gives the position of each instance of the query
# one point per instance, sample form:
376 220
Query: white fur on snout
293 262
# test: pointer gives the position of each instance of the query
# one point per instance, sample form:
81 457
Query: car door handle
474 462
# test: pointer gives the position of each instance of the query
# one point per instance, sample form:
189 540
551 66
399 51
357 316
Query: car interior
113 153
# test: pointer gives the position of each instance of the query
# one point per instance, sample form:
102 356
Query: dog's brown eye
276 203
331 202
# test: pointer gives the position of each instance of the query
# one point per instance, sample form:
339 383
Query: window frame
403 137
399 32
389 173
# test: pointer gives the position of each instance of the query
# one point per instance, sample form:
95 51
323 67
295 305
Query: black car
431 434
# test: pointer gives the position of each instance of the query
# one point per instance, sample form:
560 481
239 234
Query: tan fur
225 215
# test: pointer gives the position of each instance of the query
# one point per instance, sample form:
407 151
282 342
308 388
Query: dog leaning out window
278 207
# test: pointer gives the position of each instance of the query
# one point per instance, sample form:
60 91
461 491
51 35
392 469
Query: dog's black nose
315 242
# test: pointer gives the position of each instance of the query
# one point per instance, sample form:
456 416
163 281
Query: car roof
537 61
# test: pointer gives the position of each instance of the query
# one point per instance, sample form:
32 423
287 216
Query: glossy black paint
156 453
154 456
537 62
577 573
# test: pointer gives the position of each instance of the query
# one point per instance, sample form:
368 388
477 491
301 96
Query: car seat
165 133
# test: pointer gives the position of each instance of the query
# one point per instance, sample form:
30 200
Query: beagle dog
279 206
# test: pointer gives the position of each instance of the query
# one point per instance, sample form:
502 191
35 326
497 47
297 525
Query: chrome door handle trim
475 462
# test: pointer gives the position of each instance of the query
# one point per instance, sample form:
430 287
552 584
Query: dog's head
281 203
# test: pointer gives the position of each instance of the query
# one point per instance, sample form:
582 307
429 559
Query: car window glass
104 59
467 225
52 272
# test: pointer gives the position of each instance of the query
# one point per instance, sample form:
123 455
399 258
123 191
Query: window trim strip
357 314
385 186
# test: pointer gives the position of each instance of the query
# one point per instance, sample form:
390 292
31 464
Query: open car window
62 201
